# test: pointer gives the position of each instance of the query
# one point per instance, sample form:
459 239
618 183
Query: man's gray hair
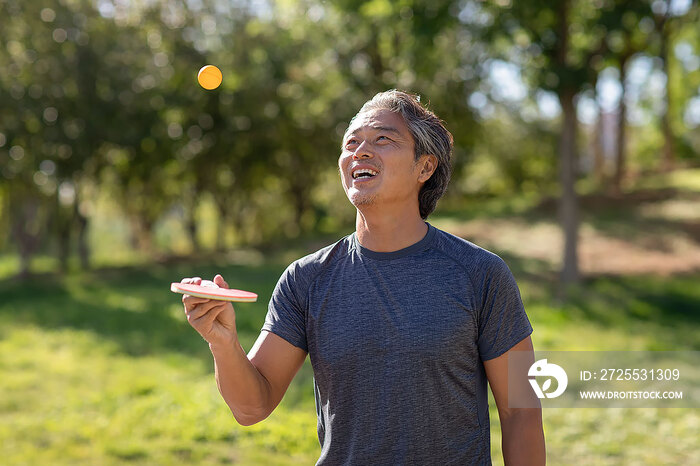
429 136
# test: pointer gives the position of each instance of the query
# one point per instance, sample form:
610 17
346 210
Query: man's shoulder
465 253
308 267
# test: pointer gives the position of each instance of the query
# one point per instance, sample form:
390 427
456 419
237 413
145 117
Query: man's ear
428 164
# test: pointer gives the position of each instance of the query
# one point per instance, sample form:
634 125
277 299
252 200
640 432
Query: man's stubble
363 200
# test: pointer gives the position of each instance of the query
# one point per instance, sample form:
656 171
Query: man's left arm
521 428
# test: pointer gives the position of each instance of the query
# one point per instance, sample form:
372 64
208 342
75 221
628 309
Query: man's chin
359 200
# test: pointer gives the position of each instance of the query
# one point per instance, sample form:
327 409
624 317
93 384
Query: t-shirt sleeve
286 310
502 318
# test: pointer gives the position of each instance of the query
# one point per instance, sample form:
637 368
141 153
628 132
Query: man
403 323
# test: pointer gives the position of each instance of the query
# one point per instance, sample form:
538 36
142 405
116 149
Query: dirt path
626 250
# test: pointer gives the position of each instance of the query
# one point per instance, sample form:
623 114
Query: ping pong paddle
210 292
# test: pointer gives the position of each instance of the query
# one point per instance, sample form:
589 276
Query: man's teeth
364 172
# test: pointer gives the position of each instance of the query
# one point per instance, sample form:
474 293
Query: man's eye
385 138
351 142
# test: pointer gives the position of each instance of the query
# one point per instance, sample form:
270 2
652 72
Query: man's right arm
254 385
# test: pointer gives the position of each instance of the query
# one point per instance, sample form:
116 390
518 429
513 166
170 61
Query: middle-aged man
404 324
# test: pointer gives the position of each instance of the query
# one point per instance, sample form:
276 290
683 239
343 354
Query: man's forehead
377 119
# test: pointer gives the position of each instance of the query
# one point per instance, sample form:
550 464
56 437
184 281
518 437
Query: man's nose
362 151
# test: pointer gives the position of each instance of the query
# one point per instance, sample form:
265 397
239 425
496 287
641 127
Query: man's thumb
220 282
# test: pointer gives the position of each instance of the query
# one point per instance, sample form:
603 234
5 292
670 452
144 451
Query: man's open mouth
363 173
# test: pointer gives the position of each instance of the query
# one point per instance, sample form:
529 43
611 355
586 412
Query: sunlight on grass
76 398
684 180
674 210
614 436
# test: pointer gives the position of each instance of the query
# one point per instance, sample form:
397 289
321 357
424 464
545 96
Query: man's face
377 163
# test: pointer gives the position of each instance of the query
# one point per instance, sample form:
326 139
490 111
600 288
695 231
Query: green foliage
101 100
512 157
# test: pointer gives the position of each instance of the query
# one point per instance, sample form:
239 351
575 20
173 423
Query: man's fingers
201 309
220 282
209 317
190 301
192 280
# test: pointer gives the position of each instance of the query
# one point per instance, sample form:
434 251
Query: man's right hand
214 320
252 385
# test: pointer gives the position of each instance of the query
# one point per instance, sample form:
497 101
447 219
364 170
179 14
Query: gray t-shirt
396 341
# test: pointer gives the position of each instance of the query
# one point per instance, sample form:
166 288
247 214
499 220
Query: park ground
102 368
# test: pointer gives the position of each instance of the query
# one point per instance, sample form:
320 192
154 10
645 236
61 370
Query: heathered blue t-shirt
397 342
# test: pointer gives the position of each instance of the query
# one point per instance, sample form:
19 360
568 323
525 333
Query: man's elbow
249 418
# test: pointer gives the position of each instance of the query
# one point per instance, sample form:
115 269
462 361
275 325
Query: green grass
102 368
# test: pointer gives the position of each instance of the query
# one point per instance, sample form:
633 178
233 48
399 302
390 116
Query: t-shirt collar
415 247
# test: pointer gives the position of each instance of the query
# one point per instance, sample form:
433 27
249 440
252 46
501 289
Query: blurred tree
26 205
635 28
522 153
129 140
558 46
663 28
670 22
274 119
597 142
623 21
102 97
47 57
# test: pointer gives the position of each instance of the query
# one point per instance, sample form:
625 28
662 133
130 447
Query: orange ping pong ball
209 77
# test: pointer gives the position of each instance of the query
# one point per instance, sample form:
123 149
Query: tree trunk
26 228
192 230
621 155
83 247
300 202
598 150
221 226
63 243
568 206
141 233
668 155
60 226
189 206
568 203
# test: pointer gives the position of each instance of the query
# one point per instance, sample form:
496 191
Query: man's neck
387 232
